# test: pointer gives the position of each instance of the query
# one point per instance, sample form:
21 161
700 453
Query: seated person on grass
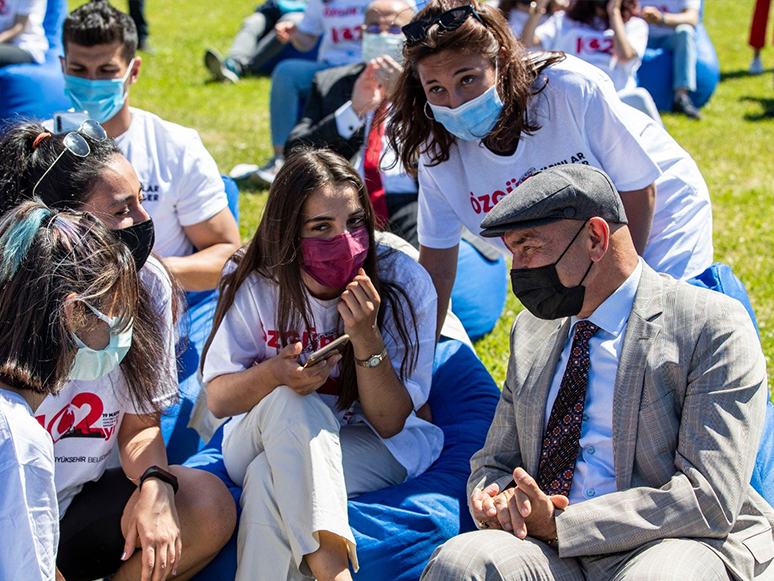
628 426
102 510
345 112
673 27
48 334
304 439
182 187
339 23
256 43
22 38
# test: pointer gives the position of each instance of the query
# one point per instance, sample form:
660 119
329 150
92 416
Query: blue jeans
682 43
290 82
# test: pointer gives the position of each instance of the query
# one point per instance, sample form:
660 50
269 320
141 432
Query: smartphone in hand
334 347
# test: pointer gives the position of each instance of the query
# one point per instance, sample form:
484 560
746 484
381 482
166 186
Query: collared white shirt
594 471
395 180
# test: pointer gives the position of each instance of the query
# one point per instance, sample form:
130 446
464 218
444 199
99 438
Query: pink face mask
334 262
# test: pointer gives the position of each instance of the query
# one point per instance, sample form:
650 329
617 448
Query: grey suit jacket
688 410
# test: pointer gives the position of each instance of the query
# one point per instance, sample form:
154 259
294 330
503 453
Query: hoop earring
425 111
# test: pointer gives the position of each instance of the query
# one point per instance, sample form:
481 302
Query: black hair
23 162
27 151
97 22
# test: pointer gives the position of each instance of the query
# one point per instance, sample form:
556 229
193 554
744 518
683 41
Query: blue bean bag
398 528
37 90
655 73
182 441
720 278
480 289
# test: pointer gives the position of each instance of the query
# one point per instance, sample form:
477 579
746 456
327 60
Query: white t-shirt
339 23
249 335
582 120
595 45
33 38
180 179
29 517
669 7
83 419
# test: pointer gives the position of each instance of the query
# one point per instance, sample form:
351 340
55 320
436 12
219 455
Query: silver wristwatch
372 361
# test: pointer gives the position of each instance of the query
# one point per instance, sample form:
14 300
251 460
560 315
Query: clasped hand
523 510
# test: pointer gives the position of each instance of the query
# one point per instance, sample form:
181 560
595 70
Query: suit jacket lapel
641 332
535 392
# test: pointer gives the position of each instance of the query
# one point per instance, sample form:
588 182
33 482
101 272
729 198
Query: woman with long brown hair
304 438
476 115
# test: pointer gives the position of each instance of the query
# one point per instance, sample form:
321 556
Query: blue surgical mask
93 364
102 99
473 120
384 43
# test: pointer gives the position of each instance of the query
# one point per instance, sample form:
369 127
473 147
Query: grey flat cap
565 192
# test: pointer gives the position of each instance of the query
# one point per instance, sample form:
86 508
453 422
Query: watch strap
160 474
367 361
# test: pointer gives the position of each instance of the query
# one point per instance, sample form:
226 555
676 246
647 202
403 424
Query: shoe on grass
684 105
242 171
222 70
265 176
756 66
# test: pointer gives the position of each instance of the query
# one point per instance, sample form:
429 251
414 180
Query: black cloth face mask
139 239
543 294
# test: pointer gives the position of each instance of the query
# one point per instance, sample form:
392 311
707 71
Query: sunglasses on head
75 143
450 20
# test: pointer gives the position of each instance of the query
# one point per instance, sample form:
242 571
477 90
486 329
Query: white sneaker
756 66
242 171
218 67
265 176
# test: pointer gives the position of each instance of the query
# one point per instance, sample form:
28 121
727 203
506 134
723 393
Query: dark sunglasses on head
450 20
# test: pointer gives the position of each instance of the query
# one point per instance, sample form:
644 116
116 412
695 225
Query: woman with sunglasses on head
605 33
477 115
304 438
67 291
105 515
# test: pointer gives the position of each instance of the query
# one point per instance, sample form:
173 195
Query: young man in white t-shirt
673 27
184 192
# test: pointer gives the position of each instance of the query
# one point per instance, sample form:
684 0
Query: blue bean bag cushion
655 73
720 278
398 528
182 441
480 289
37 90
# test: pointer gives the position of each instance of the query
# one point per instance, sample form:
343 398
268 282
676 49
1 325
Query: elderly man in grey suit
626 434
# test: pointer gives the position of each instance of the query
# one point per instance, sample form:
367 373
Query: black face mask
139 239
543 294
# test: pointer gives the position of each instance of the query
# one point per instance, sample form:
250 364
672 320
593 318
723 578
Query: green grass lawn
729 144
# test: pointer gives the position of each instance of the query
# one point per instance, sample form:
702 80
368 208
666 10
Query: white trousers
297 468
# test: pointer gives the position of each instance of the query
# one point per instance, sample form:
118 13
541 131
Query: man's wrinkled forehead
390 11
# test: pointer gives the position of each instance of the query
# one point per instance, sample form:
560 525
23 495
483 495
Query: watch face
374 361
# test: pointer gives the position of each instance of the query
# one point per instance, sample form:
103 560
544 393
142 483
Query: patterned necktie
560 442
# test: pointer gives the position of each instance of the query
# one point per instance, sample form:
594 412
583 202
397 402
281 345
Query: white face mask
93 364
384 43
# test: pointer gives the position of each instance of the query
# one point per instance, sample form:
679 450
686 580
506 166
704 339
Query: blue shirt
594 471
